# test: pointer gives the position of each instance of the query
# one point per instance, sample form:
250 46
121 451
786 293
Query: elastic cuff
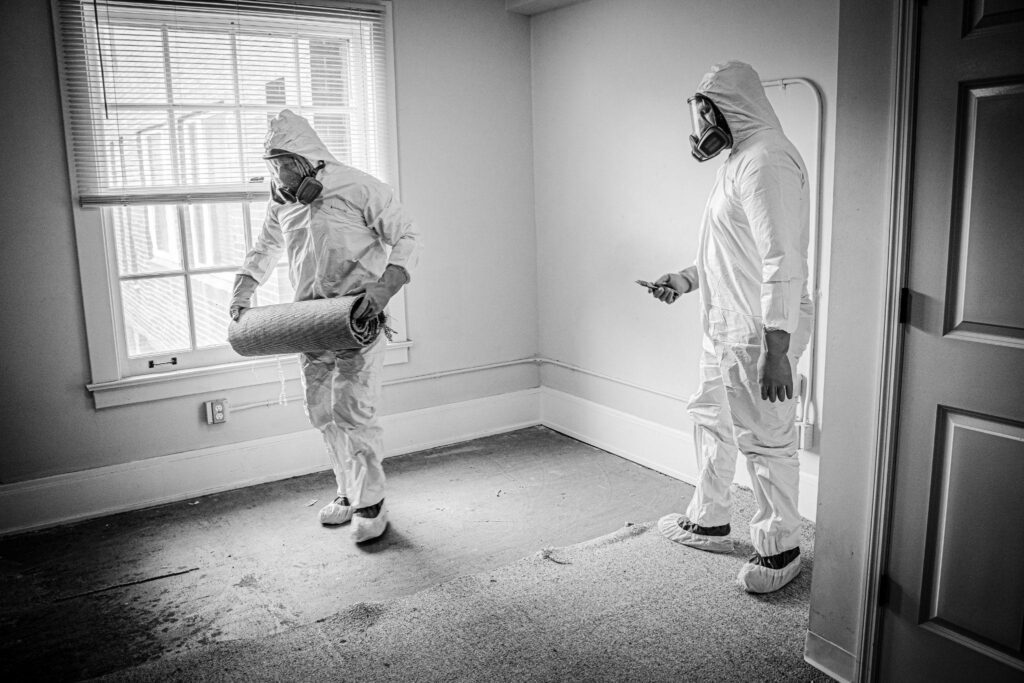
405 272
689 282
722 530
776 561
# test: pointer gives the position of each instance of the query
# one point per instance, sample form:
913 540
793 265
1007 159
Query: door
954 585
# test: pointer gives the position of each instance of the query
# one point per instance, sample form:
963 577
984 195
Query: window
166 107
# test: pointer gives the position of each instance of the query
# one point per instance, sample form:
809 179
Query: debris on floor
545 554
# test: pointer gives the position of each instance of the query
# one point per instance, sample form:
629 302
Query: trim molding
902 119
26 506
532 7
665 449
826 656
211 378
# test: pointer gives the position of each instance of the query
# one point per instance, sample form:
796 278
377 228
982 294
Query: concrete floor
98 596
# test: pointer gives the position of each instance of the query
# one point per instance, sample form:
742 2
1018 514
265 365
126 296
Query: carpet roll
303 327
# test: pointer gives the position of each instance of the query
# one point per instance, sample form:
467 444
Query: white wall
618 195
464 125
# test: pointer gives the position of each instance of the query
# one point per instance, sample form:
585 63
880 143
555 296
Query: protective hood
291 132
737 91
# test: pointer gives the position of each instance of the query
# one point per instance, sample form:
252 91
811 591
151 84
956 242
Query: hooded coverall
341 241
751 269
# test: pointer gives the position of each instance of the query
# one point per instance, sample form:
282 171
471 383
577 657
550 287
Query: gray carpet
629 606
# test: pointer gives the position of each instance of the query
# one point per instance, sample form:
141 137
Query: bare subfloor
86 599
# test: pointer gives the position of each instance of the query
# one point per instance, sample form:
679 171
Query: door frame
901 130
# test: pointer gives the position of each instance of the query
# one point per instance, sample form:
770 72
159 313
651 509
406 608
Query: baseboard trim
664 449
418 430
27 506
644 442
828 657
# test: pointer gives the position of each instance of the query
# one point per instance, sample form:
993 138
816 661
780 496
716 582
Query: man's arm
691 276
387 219
385 216
770 195
258 263
671 285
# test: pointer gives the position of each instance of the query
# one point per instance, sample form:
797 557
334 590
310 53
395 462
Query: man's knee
704 412
773 441
319 416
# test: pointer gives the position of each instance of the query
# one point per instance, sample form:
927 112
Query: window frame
115 378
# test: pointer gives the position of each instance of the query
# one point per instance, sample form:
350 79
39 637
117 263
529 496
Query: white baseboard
417 430
829 657
106 490
130 486
647 443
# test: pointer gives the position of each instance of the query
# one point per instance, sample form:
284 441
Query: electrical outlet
217 411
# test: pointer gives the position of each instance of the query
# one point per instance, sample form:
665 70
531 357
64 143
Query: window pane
155 315
201 67
328 72
277 289
267 81
136 71
174 96
210 151
147 238
138 152
254 132
335 131
216 235
211 296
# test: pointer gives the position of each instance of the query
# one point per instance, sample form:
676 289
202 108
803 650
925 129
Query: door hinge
904 314
883 590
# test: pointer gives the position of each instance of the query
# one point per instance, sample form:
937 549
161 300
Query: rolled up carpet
303 327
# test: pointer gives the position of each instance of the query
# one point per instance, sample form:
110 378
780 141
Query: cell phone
649 285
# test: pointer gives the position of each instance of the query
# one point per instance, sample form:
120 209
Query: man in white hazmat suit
751 272
344 232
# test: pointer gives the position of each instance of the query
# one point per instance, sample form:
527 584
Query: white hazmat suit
338 243
751 271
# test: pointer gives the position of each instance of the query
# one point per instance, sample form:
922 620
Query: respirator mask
711 133
294 177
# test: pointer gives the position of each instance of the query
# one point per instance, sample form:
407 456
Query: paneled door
954 584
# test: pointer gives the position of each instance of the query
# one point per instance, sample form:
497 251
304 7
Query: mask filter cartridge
710 131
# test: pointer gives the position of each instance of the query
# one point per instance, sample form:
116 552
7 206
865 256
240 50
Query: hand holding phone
667 289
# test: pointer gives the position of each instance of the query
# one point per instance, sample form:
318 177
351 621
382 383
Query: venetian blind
169 100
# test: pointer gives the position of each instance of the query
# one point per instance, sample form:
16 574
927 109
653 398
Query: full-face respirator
711 133
294 177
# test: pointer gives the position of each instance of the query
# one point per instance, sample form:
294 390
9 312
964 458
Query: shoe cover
670 529
368 528
755 578
333 514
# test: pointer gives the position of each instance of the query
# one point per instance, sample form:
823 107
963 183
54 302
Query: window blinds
168 100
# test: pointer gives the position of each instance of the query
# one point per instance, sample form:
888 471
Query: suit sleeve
266 252
387 219
691 275
770 193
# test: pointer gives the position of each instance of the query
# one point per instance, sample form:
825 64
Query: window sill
176 383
